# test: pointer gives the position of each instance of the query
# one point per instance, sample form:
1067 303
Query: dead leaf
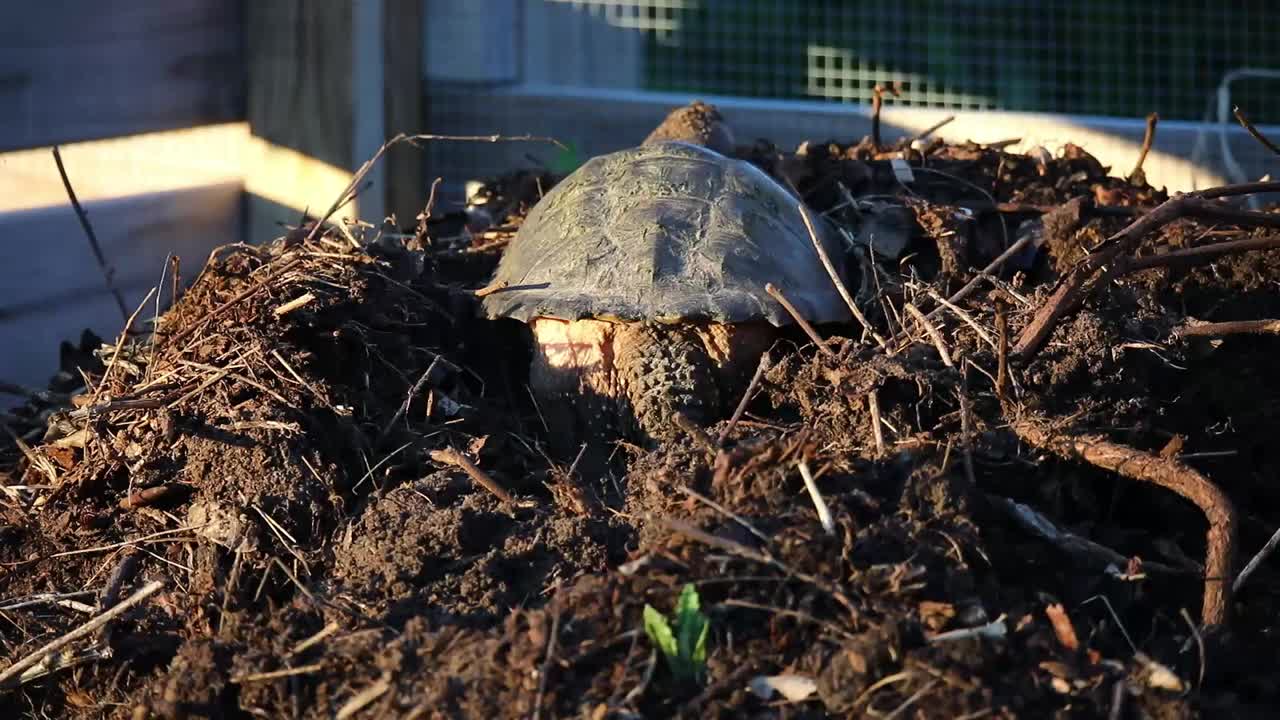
936 615
794 688
1062 627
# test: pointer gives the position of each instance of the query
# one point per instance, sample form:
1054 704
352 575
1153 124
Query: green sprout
685 646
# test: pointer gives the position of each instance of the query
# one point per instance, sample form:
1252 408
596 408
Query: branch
449 456
1073 287
1204 253
1166 473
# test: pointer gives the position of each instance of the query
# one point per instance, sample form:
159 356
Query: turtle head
698 123
595 378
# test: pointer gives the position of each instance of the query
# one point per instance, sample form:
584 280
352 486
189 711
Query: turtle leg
664 370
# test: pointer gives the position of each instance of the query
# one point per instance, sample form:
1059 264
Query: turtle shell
664 232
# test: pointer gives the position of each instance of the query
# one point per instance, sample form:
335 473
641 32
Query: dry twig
363 698
449 456
934 127
240 297
549 661
819 503
294 304
1256 561
124 334
763 557
738 411
785 612
424 217
42 598
933 333
353 187
1083 550
835 276
726 512
1002 355
1257 134
965 317
966 428
108 273
969 287
873 405
1148 138
877 101
408 399
1202 254
85 630
277 674
776 294
1233 327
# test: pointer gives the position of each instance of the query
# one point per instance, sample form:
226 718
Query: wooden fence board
50 285
330 82
75 70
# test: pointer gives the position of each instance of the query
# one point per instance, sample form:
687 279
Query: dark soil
275 471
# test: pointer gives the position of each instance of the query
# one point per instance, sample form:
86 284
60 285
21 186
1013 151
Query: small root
1166 473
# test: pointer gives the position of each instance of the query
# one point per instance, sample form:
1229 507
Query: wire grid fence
1098 57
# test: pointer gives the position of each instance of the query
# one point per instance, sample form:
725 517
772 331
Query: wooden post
328 83
406 110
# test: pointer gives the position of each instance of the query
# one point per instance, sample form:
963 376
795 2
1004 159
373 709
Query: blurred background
187 124
1091 57
585 65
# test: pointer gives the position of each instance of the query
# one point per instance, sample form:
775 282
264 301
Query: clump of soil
356 509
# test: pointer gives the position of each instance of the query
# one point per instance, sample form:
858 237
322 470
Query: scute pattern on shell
664 232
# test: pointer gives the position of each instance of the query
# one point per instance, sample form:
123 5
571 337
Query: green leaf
688 604
685 647
691 633
659 632
699 655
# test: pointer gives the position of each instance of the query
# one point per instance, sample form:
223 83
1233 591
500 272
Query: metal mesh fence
1100 57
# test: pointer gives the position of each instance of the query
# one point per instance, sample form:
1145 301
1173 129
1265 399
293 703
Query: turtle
642 277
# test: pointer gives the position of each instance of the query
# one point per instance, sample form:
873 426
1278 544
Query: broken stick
1148 139
877 101
449 456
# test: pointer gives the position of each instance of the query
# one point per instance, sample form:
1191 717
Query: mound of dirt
1024 489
